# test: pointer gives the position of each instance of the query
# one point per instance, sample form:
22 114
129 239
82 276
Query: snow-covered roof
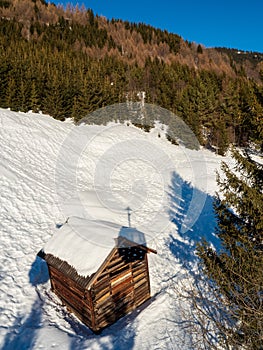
84 244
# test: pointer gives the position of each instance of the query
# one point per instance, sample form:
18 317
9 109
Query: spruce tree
34 102
237 270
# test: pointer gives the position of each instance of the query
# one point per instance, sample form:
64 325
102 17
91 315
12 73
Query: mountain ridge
131 42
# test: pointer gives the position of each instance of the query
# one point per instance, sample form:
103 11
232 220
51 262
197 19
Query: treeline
74 65
242 56
151 35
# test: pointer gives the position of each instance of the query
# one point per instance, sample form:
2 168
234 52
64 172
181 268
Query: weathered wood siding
73 296
121 286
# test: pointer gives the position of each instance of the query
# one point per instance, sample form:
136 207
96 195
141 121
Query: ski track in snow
31 169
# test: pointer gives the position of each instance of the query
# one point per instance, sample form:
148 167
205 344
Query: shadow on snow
120 335
22 334
200 215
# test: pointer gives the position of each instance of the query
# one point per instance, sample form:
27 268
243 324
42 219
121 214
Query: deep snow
47 170
85 243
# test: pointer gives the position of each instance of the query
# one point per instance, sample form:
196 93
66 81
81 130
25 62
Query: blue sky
226 23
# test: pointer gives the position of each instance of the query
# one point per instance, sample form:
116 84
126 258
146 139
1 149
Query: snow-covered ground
51 170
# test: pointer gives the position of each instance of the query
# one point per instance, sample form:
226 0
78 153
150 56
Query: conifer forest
68 62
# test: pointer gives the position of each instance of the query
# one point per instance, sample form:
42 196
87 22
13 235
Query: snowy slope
48 172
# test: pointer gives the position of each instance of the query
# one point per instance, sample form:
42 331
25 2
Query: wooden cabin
98 269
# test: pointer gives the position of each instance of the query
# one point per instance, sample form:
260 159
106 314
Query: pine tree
54 100
199 49
34 98
221 137
23 96
77 114
237 270
11 95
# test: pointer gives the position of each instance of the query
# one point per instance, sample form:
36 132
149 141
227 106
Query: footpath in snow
51 170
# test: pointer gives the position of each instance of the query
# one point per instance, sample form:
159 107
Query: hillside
48 171
129 42
70 62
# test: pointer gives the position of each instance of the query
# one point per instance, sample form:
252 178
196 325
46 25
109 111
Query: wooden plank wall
66 270
120 288
73 296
